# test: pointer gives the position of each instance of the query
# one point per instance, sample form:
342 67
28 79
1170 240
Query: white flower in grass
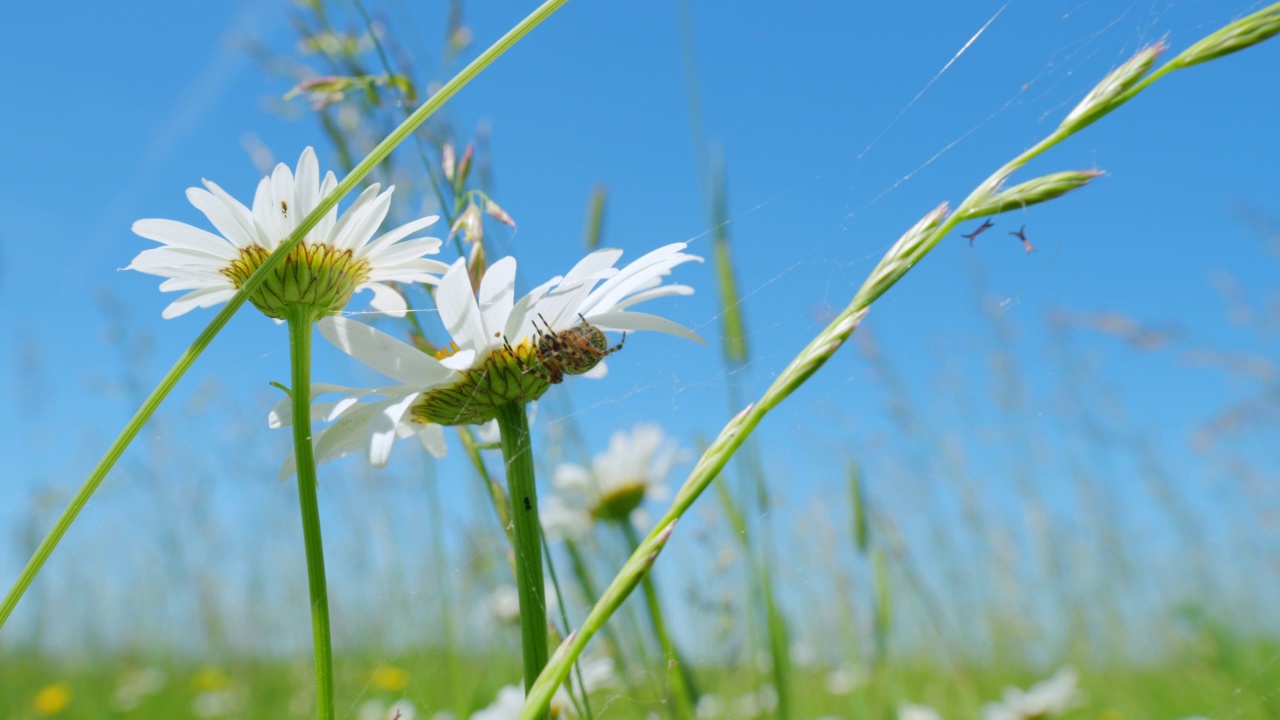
1046 698
503 350
402 709
510 701
709 706
633 468
908 711
338 257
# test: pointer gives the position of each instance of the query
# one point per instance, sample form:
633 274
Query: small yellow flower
208 679
52 699
390 677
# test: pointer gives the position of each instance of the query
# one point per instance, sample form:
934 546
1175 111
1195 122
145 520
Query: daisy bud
1107 94
493 210
1248 30
1034 191
447 161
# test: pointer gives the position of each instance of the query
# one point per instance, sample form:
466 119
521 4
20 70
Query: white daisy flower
1046 698
510 702
338 257
633 468
909 711
503 350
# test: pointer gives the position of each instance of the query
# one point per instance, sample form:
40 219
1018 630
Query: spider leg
617 347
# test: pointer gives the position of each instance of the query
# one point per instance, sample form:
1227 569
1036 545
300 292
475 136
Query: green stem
584 705
678 672
250 286
300 321
517 453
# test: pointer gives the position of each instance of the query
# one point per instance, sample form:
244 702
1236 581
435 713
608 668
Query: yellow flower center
505 376
318 276
619 501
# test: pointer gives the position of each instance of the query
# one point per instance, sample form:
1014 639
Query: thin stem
250 286
300 317
517 453
564 618
679 674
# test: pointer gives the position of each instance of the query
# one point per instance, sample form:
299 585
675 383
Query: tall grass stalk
206 336
679 674
1118 87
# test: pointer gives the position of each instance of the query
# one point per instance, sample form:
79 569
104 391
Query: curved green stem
300 322
517 452
251 285
679 674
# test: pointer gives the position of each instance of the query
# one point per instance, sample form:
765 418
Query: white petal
592 264
383 425
306 186
282 414
324 228
206 297
362 227
340 233
173 261
224 218
181 235
432 438
497 295
383 353
570 477
520 321
407 250
194 280
561 307
663 291
598 372
344 437
242 216
458 309
265 225
420 270
642 274
619 320
393 236
386 299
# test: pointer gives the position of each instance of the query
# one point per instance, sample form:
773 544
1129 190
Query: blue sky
840 126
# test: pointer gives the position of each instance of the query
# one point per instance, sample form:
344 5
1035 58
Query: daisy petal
383 425
383 353
233 227
619 320
394 236
432 438
205 297
386 299
458 308
181 235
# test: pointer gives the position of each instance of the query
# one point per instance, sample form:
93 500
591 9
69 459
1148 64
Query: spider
570 352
